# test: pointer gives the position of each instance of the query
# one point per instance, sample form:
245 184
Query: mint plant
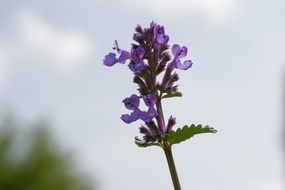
148 58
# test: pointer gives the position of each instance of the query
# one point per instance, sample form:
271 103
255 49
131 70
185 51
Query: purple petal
162 39
110 59
175 49
135 115
152 24
179 52
137 67
166 39
137 53
132 103
132 66
159 35
183 52
150 100
152 112
186 65
140 52
129 118
174 63
145 117
137 36
158 30
124 56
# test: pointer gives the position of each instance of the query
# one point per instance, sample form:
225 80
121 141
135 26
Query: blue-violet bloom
111 59
178 53
137 64
159 36
132 103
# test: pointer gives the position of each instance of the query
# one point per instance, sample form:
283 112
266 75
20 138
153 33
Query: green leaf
175 137
170 95
141 143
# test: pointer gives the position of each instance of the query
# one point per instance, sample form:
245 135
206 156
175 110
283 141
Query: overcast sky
51 56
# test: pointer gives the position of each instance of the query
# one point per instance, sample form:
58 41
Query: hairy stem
160 117
166 147
172 168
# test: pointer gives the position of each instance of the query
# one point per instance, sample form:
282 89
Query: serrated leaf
170 95
180 135
141 143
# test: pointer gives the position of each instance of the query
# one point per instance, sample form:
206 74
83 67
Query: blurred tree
35 162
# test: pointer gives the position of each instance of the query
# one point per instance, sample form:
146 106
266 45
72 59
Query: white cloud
214 10
38 37
33 39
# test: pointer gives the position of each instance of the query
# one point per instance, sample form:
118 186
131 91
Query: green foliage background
35 162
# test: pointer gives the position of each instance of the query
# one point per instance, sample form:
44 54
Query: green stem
172 168
166 147
160 117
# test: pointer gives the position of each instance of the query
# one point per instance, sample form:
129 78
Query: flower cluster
148 58
132 103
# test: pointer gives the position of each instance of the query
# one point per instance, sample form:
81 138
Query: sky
51 56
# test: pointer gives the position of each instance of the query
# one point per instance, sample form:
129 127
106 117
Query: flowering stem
172 168
160 118
166 147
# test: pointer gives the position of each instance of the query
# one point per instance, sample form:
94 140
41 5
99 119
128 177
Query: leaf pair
187 132
178 136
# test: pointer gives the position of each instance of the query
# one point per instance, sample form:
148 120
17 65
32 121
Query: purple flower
150 101
137 64
132 103
137 53
111 59
149 58
178 53
136 67
159 36
138 114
